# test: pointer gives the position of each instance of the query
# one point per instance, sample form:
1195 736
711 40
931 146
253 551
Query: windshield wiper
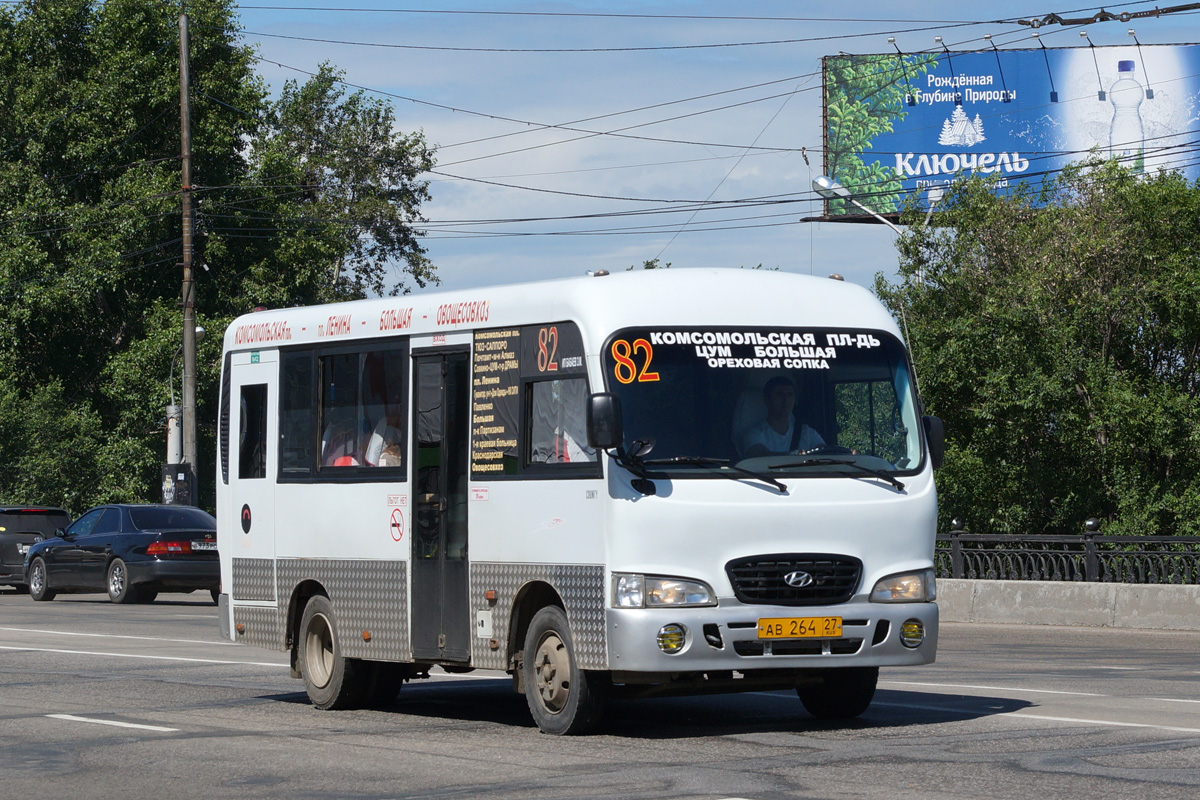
829 462
701 461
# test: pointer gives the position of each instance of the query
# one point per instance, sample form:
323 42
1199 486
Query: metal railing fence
1085 557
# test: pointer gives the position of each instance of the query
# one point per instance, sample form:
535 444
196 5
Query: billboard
906 125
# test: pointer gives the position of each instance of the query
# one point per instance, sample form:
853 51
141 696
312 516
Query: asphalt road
100 701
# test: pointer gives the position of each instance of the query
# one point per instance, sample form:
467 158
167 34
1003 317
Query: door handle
430 499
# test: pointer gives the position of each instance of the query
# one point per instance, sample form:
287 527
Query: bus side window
343 428
557 422
252 447
384 386
296 436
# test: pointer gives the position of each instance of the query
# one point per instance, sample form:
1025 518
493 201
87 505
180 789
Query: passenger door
441 423
253 432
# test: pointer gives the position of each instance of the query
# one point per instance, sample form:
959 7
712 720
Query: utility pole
189 286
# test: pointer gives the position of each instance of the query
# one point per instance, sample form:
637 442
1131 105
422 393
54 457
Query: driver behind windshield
779 433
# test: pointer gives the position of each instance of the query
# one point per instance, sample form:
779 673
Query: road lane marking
153 658
114 723
1107 722
1023 715
220 642
990 688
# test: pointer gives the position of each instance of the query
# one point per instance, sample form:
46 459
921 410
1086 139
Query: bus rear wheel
562 698
331 680
843 694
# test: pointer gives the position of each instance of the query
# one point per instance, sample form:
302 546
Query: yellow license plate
799 627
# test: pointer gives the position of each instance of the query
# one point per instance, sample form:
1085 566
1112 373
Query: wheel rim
116 580
37 579
552 668
318 650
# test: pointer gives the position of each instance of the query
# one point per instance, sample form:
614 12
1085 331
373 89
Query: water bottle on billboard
1125 136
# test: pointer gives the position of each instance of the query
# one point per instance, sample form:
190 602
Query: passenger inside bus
777 431
384 448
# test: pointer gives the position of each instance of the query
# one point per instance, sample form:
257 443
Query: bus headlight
652 591
906 587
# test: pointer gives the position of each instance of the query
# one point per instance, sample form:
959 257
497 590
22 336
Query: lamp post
830 189
175 454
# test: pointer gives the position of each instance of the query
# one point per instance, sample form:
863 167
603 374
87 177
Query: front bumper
184 575
725 637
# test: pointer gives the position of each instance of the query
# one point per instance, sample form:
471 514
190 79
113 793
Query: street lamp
830 189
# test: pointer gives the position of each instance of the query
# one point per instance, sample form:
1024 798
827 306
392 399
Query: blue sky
515 200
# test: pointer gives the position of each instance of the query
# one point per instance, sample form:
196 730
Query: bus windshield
783 401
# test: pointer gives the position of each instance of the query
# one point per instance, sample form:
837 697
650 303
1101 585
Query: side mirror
604 421
935 437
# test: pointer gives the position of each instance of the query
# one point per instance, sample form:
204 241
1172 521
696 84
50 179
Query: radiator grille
761 580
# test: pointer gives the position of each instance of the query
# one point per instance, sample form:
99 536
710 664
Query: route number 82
626 369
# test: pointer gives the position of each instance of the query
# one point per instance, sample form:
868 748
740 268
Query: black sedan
131 551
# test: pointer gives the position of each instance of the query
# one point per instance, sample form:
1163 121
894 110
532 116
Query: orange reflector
366 636
490 595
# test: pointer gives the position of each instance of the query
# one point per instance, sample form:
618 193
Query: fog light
671 638
912 633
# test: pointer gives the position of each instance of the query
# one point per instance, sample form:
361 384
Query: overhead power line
625 49
595 15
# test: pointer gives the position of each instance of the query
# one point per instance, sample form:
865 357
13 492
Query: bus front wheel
562 698
843 694
331 680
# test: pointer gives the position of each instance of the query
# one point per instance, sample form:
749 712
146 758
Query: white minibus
632 484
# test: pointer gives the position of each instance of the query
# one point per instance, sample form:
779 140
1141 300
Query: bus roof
599 303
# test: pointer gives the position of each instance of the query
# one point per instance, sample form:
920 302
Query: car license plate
799 627
204 545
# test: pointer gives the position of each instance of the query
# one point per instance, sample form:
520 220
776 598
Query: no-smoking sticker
397 524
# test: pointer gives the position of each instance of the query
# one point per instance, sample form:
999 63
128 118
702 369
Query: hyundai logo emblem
798 579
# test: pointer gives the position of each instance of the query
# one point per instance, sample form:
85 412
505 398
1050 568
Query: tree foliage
864 97
310 197
1059 338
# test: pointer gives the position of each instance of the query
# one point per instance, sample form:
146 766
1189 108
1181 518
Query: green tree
1059 338
310 198
864 96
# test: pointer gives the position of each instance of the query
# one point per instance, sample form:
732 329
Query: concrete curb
1099 605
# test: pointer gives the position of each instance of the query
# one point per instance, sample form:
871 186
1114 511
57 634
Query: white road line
1022 715
114 723
152 658
1107 722
218 642
989 688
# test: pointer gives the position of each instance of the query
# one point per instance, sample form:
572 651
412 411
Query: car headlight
906 587
652 591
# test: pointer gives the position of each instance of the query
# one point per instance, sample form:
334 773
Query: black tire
116 580
843 694
562 698
332 681
383 682
216 594
39 581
